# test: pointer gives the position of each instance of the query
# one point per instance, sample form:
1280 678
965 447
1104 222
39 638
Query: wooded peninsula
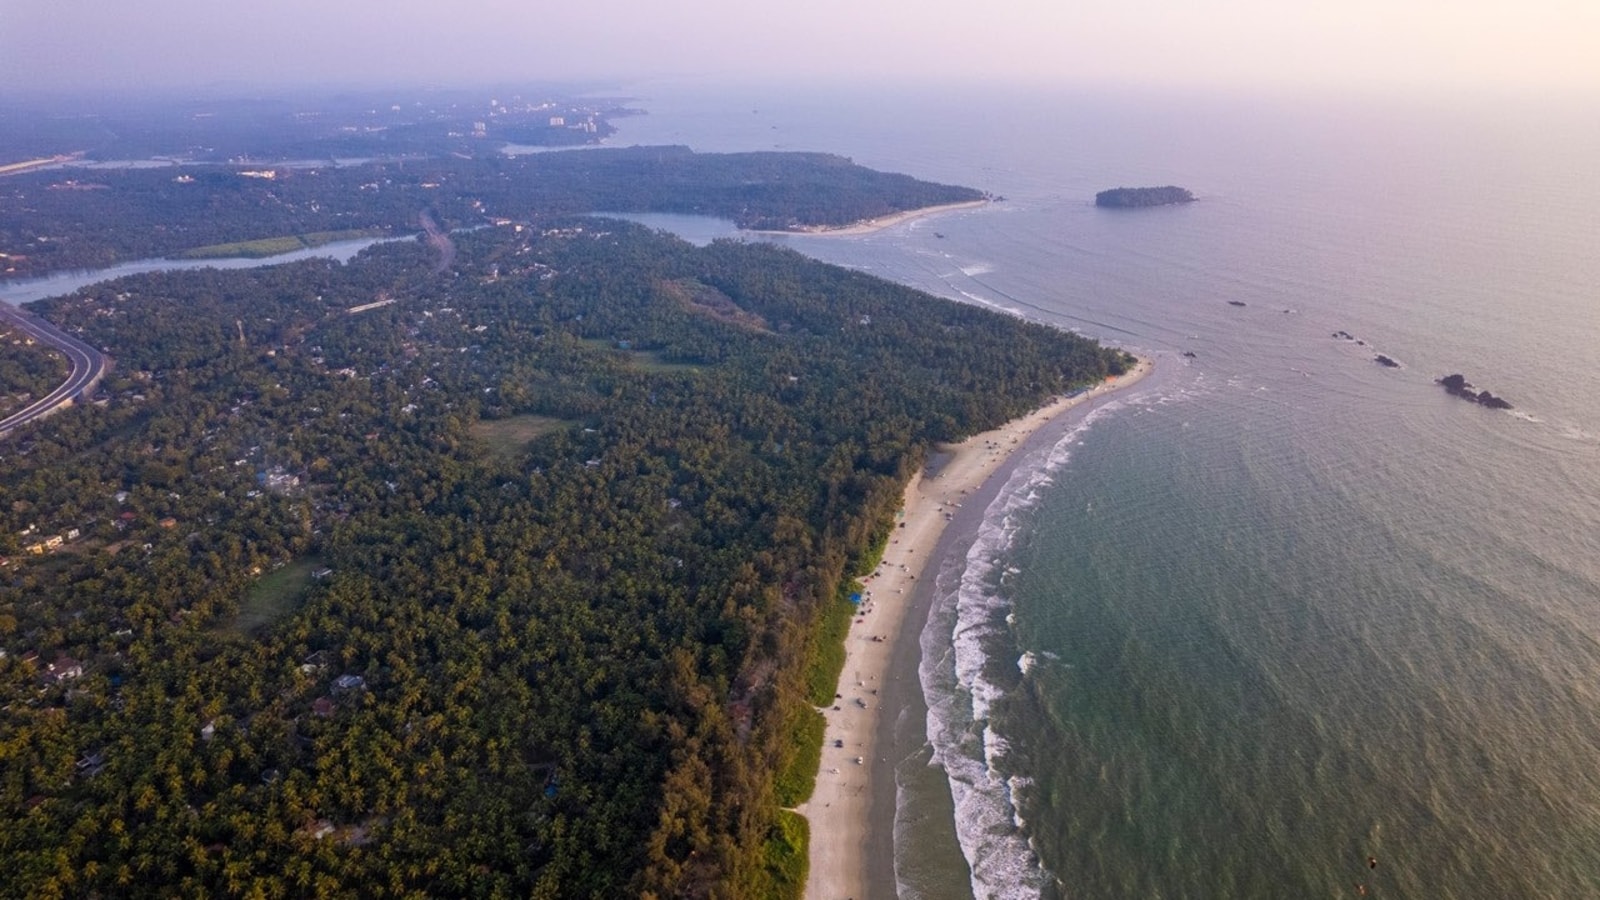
502 572
57 220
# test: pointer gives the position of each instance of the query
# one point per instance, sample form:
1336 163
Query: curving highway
88 365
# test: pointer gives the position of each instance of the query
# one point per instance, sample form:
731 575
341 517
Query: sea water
1280 609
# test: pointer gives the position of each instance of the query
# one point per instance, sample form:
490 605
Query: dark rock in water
1361 343
1136 198
1344 335
1461 387
1236 303
1189 353
1386 362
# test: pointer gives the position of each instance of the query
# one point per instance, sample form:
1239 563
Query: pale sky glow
1428 44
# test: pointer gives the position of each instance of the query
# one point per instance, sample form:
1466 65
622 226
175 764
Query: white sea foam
967 624
985 301
977 269
1019 785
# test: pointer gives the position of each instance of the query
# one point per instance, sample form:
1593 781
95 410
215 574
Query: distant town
44 135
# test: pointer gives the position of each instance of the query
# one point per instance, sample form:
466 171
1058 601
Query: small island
1137 198
1460 387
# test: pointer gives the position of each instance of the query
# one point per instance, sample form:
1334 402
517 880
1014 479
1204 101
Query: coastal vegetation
786 858
446 597
1134 198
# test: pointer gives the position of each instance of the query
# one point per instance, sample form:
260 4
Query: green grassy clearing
644 360
508 438
276 594
275 246
651 361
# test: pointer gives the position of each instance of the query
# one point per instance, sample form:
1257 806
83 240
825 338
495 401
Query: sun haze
1427 44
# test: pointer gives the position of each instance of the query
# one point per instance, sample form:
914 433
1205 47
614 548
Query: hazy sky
1471 44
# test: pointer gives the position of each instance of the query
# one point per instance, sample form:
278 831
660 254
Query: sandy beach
841 809
868 226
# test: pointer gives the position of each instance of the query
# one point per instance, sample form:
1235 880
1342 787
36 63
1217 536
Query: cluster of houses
346 685
54 542
64 670
57 541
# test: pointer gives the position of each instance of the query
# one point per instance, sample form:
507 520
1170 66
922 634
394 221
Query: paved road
88 364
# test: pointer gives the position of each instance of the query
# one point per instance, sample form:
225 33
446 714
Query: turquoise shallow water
1283 609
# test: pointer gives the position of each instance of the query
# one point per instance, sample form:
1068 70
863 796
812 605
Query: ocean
1279 609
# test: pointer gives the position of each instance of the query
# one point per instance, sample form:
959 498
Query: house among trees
90 764
65 668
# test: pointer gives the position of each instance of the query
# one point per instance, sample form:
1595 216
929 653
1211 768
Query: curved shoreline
868 226
849 830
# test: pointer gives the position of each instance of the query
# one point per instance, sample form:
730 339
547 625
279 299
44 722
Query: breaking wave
966 629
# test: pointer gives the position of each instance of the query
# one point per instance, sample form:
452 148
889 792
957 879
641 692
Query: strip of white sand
839 809
868 226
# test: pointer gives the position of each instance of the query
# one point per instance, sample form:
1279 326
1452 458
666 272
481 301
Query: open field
507 438
276 594
644 360
651 361
275 246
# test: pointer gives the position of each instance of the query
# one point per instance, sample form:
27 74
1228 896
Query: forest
84 219
497 579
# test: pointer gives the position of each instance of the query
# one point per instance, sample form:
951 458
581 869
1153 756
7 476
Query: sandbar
868 226
840 810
